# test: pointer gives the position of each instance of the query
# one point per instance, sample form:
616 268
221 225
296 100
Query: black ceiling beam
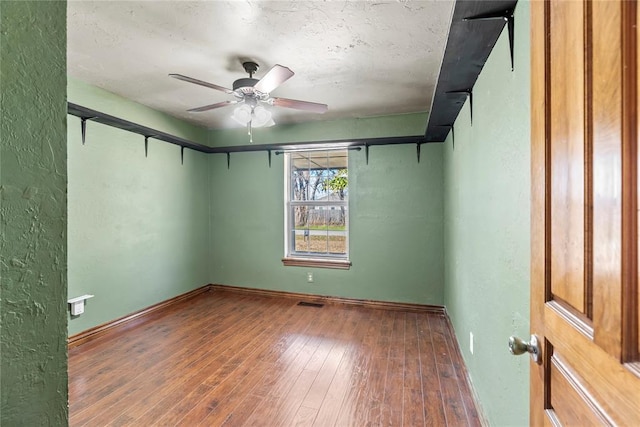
475 28
87 114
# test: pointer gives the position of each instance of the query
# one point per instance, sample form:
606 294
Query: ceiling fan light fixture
258 116
242 114
261 117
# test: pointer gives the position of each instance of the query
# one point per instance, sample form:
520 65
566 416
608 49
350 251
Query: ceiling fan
251 93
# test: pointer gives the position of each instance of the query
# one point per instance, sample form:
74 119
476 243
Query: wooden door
584 289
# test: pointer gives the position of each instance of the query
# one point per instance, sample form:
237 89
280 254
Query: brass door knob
518 346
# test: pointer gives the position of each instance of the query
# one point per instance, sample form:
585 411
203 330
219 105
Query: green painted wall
487 202
138 227
33 179
396 209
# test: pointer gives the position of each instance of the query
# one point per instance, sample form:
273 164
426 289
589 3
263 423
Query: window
317 209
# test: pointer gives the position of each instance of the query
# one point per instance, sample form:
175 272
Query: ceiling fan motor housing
245 86
243 89
245 83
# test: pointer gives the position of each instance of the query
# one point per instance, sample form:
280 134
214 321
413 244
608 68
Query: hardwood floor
225 358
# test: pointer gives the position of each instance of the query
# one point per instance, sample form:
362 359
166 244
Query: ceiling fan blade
274 78
300 105
200 82
212 106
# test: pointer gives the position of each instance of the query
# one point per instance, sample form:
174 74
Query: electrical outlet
309 277
471 342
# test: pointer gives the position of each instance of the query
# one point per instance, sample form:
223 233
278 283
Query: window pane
321 230
337 218
299 161
299 184
337 229
337 184
316 181
301 214
301 228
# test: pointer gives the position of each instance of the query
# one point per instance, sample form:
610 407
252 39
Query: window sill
318 263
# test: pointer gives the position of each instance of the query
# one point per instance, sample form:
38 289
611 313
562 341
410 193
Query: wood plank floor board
233 359
439 340
304 417
433 406
413 397
391 411
371 412
288 406
434 414
455 412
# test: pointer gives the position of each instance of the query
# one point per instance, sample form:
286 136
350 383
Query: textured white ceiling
362 58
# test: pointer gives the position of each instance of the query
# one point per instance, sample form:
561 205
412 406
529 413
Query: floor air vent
311 304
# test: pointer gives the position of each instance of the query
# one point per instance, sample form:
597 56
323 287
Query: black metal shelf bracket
269 156
418 151
366 153
83 127
146 144
469 94
182 155
506 16
453 133
228 160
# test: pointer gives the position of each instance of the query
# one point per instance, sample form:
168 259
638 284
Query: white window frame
302 259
